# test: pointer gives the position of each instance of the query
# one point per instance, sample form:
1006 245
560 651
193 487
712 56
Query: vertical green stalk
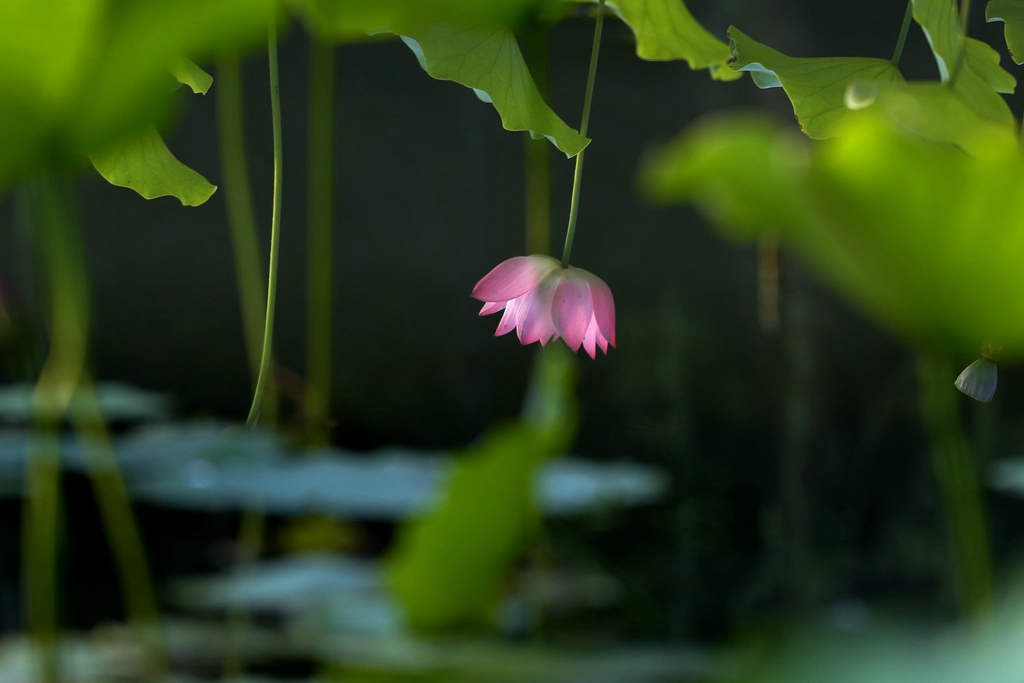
904 30
538 152
320 249
574 205
52 396
275 229
956 475
238 200
250 542
119 524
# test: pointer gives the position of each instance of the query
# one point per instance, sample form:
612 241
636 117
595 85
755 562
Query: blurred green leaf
490 62
816 85
1011 13
665 30
78 75
922 237
191 74
144 164
353 19
448 569
938 112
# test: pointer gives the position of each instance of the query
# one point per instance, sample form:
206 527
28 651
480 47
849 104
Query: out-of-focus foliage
449 567
665 30
1010 12
891 652
355 19
816 85
80 75
920 235
489 61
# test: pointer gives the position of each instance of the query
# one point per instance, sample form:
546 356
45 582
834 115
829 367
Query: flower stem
321 248
275 228
238 200
574 205
904 30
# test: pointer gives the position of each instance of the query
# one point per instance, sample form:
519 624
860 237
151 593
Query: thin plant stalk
238 201
956 474
321 244
577 178
275 230
908 16
253 519
63 378
51 399
119 524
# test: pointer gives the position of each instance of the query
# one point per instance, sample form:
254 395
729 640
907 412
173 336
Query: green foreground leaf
354 19
1011 13
144 164
449 568
78 76
490 62
925 239
815 85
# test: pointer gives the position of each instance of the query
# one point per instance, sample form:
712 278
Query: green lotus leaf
77 77
815 85
925 239
143 163
941 113
1011 13
490 62
665 30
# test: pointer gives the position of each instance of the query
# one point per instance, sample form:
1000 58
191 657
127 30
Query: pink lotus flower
544 301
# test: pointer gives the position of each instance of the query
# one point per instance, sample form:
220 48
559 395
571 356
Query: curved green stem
574 205
904 30
238 201
275 229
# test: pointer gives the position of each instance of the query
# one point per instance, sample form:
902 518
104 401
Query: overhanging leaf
489 61
191 74
1011 13
144 164
924 238
78 76
815 85
665 30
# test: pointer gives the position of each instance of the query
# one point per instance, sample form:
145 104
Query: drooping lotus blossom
544 301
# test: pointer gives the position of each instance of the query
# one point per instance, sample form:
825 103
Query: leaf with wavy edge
189 73
1011 13
489 61
815 85
144 164
665 30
